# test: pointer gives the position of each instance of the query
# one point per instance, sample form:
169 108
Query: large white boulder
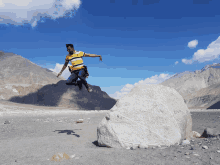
149 115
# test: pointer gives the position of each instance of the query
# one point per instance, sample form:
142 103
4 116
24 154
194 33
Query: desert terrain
38 135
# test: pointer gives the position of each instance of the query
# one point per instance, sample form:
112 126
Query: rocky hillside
14 69
22 81
197 87
62 95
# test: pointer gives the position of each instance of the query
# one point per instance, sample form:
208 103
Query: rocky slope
200 88
25 82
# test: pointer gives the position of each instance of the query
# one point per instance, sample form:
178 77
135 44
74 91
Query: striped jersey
76 60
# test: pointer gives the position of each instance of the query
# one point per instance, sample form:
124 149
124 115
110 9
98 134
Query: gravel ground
55 138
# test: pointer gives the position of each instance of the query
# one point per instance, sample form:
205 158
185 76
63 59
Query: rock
210 133
204 147
196 154
185 142
150 114
143 146
68 96
196 134
6 122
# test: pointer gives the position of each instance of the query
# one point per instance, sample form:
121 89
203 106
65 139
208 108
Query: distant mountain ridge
14 69
189 85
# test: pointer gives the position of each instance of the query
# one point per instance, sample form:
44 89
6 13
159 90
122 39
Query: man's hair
71 45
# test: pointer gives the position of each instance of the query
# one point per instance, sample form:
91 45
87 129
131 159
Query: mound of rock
69 96
149 115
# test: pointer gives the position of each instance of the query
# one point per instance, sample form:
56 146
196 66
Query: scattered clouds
193 43
17 12
202 55
152 80
58 68
176 62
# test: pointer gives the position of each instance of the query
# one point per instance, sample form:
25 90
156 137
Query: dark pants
75 75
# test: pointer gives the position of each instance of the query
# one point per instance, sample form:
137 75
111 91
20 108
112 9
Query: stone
196 134
210 133
6 122
204 147
152 115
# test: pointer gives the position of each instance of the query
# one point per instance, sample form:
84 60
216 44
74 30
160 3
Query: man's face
70 50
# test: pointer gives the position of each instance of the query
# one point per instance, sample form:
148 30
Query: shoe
89 90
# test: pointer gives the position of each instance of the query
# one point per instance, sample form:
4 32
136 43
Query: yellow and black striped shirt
76 60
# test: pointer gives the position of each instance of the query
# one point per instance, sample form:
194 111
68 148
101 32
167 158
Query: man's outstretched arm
64 67
93 55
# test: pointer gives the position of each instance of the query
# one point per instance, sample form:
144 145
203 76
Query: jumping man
78 69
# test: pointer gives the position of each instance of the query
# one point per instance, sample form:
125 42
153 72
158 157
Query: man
77 69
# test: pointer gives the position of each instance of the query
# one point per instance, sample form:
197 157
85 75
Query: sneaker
89 90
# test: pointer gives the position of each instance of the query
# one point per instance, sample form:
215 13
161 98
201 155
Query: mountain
14 69
197 87
24 82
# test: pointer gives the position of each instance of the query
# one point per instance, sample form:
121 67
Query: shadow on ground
68 132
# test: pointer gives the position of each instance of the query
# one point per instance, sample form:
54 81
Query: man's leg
72 79
83 79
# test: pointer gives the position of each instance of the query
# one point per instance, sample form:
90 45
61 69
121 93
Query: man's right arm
64 67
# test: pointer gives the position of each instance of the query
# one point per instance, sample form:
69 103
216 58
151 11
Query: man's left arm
93 55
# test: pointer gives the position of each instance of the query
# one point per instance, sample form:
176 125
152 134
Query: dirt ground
56 138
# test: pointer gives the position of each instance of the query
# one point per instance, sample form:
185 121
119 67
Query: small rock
187 153
185 142
209 133
218 151
196 154
72 156
196 134
191 148
143 145
6 122
204 147
187 157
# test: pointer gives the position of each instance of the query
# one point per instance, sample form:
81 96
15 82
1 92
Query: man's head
70 48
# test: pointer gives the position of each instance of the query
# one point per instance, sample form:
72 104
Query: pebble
196 154
204 147
6 122
72 156
185 142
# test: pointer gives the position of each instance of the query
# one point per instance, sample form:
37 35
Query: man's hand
59 74
100 58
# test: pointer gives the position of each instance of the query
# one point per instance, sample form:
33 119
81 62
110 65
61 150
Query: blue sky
140 41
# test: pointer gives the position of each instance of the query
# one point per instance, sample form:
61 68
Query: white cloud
176 62
58 68
31 11
202 55
152 80
193 43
